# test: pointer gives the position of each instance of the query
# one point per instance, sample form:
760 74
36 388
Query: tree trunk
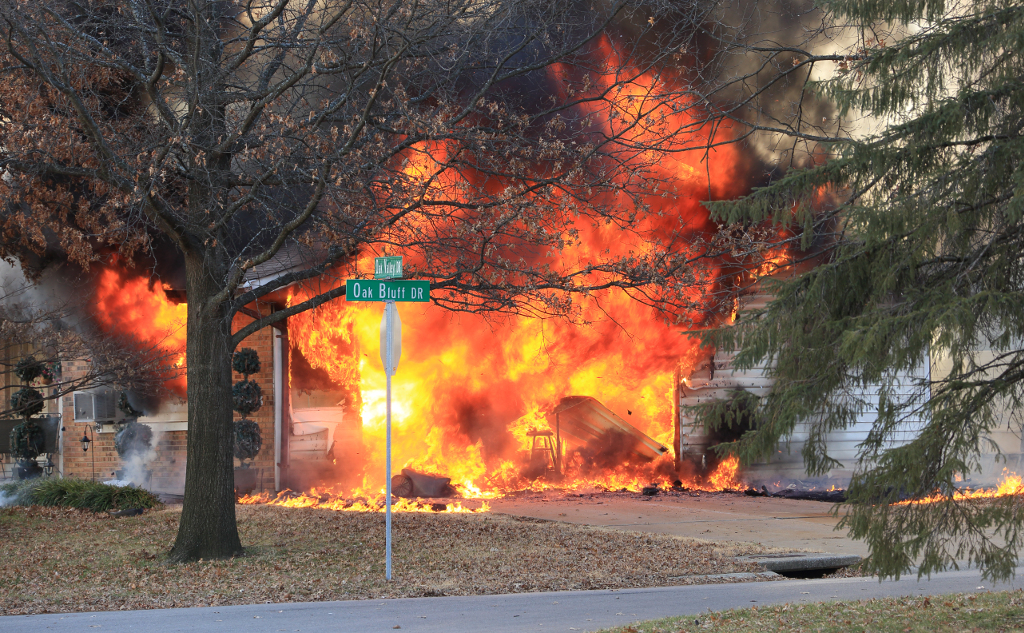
208 528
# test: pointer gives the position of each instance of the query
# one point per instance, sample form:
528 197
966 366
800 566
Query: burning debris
1010 483
411 484
607 437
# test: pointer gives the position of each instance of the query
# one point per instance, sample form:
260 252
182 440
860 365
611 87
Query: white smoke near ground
156 470
172 479
6 499
136 464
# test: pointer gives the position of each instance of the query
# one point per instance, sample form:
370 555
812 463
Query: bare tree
478 137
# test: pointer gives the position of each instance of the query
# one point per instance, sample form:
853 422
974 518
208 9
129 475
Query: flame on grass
1011 484
329 500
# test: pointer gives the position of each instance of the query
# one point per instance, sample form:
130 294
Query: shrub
248 439
126 407
135 437
28 369
78 493
246 396
246 361
27 440
27 401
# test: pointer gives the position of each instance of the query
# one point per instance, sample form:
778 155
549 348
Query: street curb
742 575
800 561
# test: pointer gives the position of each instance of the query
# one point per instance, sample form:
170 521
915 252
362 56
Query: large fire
472 394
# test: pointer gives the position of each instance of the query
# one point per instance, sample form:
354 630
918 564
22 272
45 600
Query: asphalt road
554 611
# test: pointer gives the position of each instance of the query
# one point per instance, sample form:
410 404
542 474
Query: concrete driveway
782 523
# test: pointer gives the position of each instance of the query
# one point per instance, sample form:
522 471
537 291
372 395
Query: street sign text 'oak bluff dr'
401 290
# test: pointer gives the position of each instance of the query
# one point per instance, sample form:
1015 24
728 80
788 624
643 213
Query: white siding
715 379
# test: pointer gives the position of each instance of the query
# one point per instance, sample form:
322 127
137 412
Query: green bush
246 361
27 401
248 439
10 492
78 493
246 396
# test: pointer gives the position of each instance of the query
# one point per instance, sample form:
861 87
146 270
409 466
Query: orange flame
724 477
1011 484
461 388
328 500
469 390
132 306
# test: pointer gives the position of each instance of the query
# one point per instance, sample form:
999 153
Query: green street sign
371 290
387 267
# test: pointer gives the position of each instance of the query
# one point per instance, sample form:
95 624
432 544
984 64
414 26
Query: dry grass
59 560
998 612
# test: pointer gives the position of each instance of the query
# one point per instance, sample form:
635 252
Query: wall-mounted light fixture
85 442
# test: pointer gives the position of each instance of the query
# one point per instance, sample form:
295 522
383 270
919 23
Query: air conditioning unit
95 406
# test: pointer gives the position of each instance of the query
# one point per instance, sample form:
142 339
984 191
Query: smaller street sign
387 267
407 290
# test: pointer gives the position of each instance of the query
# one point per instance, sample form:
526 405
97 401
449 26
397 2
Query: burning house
481 408
490 406
474 399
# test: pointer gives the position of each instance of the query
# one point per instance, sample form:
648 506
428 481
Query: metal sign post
390 290
390 352
389 310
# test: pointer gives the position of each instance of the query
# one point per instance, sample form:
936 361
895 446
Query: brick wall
101 458
262 342
168 465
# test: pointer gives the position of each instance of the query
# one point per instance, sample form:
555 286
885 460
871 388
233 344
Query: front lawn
58 559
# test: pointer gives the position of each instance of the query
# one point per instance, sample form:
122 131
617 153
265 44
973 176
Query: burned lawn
60 560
